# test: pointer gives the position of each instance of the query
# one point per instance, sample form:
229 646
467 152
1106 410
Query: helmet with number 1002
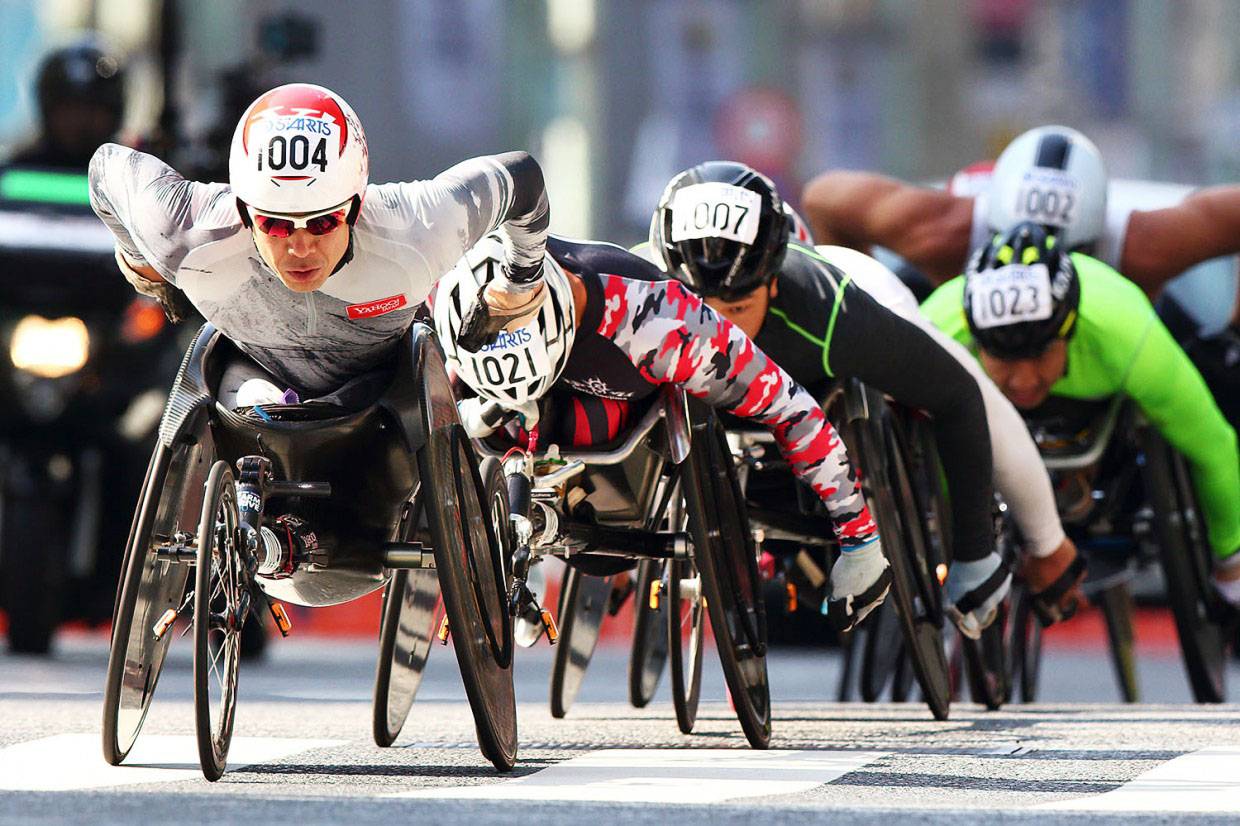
1021 293
1053 176
299 149
722 229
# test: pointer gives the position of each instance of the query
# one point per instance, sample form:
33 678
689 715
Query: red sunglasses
282 226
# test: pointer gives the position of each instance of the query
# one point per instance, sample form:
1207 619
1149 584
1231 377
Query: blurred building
615 96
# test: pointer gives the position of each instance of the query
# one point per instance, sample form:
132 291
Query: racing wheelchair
1127 500
790 524
666 491
314 504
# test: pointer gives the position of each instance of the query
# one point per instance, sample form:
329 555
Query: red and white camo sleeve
671 335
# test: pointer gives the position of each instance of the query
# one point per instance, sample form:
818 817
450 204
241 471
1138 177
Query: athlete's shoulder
945 309
1103 288
602 257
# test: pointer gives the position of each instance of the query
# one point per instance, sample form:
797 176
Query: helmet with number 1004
298 149
722 229
1053 176
1021 293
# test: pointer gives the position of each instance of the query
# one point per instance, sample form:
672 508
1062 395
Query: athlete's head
1053 176
519 366
81 91
299 169
1021 295
722 230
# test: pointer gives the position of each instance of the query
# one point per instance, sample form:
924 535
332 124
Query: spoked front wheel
221 601
151 585
686 621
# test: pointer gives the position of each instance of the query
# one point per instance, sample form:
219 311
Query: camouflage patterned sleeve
670 335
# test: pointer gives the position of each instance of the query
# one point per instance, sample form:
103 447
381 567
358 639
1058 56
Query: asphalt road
303 751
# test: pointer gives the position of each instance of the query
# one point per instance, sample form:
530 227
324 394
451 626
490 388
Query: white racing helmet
520 366
1053 176
298 149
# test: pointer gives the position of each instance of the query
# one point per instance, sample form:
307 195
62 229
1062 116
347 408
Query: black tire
727 562
1024 635
220 603
915 590
1117 608
583 604
650 641
884 646
685 611
1186 559
474 585
35 548
986 664
148 587
411 612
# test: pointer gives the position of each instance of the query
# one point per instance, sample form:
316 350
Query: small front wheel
220 588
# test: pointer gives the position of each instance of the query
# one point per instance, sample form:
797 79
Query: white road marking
1207 780
74 761
669 776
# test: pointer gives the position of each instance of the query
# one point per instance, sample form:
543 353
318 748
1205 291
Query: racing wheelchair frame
394 485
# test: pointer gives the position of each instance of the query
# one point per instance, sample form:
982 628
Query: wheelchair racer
309 269
611 332
802 305
1045 322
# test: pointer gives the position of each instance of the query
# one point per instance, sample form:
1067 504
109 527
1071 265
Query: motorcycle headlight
49 349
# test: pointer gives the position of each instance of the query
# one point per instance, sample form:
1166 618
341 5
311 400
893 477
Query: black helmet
721 228
1021 293
83 72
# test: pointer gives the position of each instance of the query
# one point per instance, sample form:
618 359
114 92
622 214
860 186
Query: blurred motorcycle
84 367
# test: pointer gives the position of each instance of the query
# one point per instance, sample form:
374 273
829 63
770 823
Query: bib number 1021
293 153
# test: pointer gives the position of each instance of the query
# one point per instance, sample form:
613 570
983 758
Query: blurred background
615 96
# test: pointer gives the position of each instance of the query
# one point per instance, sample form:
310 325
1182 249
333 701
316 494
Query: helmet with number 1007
722 229
1015 323
298 149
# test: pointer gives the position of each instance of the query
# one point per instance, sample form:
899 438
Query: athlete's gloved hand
1226 578
1055 582
481 418
176 306
860 580
974 591
504 305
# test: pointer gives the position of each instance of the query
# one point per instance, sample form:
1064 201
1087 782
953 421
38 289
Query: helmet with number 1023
1053 176
1021 293
299 149
721 228
520 366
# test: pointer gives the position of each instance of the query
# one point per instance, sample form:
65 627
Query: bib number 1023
1010 295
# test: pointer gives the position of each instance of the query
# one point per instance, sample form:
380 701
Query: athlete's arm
1160 244
477 197
1170 391
928 228
896 356
670 335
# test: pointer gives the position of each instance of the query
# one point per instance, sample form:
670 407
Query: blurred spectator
81 96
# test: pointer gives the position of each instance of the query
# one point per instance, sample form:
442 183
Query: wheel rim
650 639
219 613
477 539
160 587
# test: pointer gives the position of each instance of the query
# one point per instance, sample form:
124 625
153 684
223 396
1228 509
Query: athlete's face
1028 382
749 311
302 260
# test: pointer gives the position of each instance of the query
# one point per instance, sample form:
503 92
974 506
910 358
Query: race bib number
514 358
1047 197
715 210
1010 295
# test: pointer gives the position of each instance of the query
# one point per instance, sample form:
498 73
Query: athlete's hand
497 310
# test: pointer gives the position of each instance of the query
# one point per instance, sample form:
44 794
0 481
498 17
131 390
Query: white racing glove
1229 588
481 418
